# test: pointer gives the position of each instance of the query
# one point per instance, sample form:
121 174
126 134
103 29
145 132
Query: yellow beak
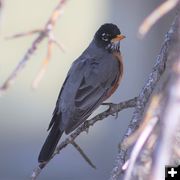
118 38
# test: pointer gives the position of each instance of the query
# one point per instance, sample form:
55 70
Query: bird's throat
113 47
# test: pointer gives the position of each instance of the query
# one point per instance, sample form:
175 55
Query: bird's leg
112 108
86 126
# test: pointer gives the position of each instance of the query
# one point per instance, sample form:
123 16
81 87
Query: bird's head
108 36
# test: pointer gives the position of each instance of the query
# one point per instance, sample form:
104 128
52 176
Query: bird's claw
111 109
87 130
86 125
116 115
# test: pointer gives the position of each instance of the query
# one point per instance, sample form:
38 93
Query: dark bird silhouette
92 78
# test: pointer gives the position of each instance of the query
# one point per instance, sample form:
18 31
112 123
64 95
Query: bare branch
83 154
170 113
36 173
143 98
138 146
46 32
29 33
1 7
59 45
43 67
150 114
114 108
21 64
163 9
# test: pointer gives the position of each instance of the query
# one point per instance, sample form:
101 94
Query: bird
92 79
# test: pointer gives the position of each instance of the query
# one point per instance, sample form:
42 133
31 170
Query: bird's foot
86 126
112 108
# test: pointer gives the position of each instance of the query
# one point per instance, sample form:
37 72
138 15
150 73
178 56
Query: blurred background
26 113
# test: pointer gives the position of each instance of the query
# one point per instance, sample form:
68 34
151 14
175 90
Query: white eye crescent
105 37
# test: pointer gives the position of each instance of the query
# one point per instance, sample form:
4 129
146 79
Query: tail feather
50 144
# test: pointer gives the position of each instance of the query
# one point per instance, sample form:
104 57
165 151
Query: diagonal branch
150 114
22 63
113 108
78 148
143 99
29 33
139 144
170 114
44 66
1 6
159 12
154 148
46 32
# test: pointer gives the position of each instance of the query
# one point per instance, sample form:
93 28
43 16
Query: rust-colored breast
118 57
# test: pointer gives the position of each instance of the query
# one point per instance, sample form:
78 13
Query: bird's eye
105 37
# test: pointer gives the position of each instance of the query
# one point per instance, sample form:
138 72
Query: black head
107 36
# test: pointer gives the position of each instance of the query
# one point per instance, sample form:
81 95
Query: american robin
92 78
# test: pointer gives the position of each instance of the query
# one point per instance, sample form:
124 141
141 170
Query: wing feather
89 82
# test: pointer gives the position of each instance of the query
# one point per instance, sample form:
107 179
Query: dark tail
50 143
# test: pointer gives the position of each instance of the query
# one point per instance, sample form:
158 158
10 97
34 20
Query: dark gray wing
85 89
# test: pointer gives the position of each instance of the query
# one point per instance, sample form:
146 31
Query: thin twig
1 8
1 3
44 66
29 33
46 32
159 12
21 64
79 149
59 45
86 125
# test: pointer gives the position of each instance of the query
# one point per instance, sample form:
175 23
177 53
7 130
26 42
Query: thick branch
170 114
154 148
143 98
139 145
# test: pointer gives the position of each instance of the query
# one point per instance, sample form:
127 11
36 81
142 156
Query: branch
1 4
150 114
154 148
29 33
139 145
83 154
113 108
1 10
44 66
46 32
163 9
143 99
170 114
